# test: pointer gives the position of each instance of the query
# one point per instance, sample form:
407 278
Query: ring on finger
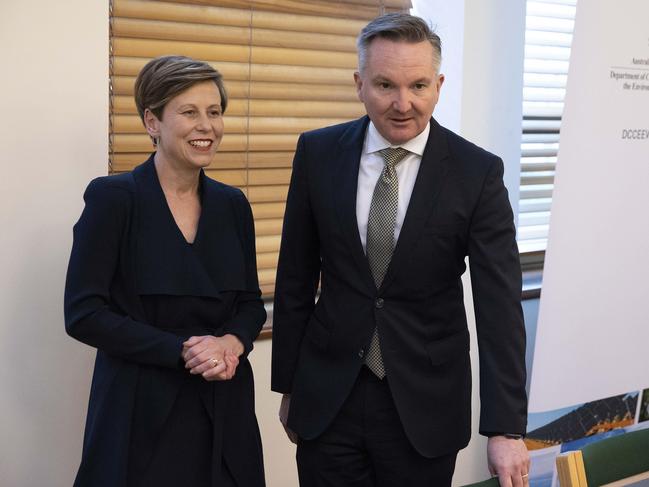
215 362
524 476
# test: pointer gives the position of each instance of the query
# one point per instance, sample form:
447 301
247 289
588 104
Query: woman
162 281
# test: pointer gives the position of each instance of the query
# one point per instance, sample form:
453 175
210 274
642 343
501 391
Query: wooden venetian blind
288 67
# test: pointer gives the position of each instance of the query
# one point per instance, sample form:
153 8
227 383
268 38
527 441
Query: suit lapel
344 186
429 182
166 263
218 245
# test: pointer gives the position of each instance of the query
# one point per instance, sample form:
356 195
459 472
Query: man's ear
440 82
359 85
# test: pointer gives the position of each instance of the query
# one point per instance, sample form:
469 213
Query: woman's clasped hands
214 358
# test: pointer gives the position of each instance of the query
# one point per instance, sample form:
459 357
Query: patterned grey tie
380 237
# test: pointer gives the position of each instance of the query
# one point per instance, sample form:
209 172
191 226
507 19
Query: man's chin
398 136
397 132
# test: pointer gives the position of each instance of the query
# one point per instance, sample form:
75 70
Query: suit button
378 303
361 353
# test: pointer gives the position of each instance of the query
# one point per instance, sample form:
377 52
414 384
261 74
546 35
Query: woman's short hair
164 77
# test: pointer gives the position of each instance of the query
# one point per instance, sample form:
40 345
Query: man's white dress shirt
370 168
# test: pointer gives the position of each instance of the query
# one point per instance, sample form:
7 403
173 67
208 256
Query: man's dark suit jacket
459 207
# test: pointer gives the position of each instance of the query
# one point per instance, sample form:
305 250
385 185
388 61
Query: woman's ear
152 125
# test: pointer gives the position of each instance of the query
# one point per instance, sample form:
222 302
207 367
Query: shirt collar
375 142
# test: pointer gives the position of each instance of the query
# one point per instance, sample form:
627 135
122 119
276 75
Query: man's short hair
398 27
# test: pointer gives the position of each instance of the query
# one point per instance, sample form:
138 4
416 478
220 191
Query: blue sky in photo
536 420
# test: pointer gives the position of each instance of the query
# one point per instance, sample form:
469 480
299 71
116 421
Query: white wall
53 126
447 20
494 34
492 94
279 453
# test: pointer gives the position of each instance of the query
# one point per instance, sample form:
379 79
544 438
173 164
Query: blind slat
267 194
549 24
557 11
545 126
262 210
549 152
303 57
267 243
217 15
131 66
536 178
541 80
262 177
553 53
123 85
131 124
544 94
535 218
125 105
542 109
533 164
535 204
545 38
223 160
181 13
541 138
536 191
533 232
177 31
542 66
267 260
148 48
270 226
192 32
365 10
233 142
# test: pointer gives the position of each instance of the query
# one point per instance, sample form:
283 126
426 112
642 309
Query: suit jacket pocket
318 333
448 348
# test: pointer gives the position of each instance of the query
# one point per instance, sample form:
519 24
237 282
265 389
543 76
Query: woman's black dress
183 452
135 290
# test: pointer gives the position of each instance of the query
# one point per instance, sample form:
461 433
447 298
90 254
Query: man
381 213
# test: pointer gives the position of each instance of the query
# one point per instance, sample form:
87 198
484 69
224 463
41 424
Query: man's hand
283 417
509 460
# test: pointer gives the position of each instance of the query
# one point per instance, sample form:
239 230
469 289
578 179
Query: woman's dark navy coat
126 244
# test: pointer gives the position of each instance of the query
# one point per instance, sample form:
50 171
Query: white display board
593 331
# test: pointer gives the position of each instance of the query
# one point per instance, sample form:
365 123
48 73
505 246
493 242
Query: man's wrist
514 436
509 436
